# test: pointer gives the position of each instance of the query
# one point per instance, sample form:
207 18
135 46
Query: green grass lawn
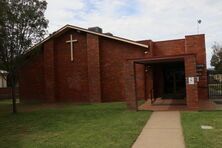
89 126
195 137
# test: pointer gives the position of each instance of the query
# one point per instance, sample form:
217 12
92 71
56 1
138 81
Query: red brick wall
196 45
191 89
130 87
5 93
31 80
140 81
171 47
71 76
113 54
94 81
49 70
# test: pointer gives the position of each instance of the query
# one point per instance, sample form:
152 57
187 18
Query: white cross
71 41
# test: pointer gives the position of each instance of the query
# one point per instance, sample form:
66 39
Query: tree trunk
14 108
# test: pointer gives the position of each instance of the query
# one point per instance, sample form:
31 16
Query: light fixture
147 67
146 52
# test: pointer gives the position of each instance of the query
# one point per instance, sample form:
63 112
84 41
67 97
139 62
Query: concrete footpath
163 130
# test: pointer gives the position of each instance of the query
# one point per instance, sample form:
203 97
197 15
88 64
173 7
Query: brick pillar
196 44
49 71
130 88
191 89
93 68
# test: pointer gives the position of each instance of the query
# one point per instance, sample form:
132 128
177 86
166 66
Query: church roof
67 27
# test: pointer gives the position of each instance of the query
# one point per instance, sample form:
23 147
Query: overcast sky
141 19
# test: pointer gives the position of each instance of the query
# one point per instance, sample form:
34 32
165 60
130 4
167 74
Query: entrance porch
165 80
169 81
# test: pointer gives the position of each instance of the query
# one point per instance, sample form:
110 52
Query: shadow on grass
96 125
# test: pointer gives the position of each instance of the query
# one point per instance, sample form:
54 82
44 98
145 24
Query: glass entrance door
174 82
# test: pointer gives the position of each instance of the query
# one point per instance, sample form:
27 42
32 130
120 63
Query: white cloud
141 19
61 12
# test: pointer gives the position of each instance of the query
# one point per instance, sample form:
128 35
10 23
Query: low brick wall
5 93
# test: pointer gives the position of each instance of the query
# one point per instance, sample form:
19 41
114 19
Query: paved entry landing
176 105
163 130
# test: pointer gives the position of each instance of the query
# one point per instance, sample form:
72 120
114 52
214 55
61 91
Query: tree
216 59
22 24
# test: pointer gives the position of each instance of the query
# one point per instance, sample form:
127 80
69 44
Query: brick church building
86 65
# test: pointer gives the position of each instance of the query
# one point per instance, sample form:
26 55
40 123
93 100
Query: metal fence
215 84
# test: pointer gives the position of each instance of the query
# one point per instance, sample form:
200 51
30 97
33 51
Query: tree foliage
22 24
216 59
